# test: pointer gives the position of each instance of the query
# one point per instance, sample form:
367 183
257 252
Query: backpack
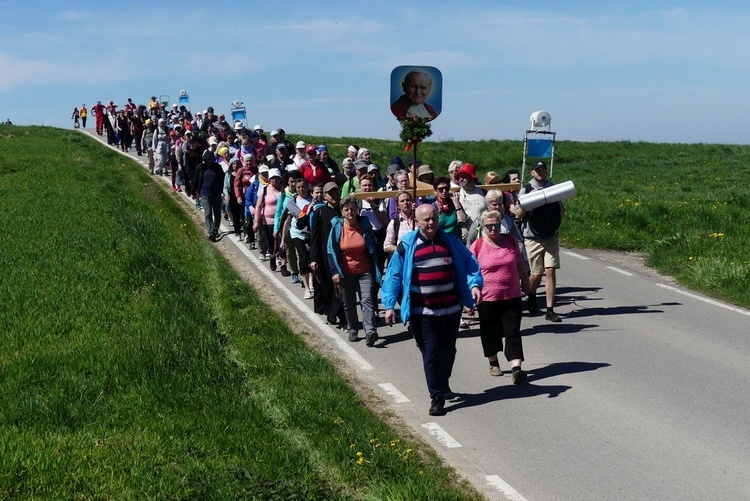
544 221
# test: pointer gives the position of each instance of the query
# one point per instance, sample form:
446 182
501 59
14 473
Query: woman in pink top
503 272
265 211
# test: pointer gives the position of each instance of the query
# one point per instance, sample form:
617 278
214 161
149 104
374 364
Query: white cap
300 144
264 168
213 140
274 173
258 127
274 132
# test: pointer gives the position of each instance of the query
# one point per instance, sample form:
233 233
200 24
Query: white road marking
441 435
393 392
501 485
618 270
705 299
577 256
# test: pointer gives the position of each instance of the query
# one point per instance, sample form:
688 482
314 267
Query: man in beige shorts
541 239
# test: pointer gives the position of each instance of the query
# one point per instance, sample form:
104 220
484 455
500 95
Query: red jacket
317 173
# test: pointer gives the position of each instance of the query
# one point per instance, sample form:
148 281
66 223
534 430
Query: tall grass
134 363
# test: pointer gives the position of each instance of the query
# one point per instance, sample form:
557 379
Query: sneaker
370 338
464 324
295 279
273 263
353 337
552 317
284 271
518 375
263 257
495 370
449 395
308 295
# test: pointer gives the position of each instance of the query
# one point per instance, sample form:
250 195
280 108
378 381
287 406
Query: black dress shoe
438 407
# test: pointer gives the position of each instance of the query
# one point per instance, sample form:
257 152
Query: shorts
543 254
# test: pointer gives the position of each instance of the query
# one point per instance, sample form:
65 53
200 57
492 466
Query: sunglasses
442 188
493 226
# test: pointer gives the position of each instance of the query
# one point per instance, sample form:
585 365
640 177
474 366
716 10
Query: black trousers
498 320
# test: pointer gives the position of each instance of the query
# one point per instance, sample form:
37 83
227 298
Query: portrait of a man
417 87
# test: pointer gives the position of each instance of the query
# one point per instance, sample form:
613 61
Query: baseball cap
392 169
263 168
274 173
258 127
300 144
540 165
330 186
311 149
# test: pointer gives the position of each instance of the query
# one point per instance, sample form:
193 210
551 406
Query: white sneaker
308 294
263 257
464 324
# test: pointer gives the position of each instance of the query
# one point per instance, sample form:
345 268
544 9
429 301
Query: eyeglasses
493 226
442 188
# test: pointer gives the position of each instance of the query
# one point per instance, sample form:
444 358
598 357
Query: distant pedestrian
75 117
83 113
208 184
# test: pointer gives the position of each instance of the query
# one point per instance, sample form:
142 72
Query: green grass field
134 363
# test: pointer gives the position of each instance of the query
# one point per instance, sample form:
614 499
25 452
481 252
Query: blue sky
641 71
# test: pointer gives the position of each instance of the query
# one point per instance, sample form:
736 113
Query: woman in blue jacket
352 258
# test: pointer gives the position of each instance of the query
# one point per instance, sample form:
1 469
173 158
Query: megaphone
554 193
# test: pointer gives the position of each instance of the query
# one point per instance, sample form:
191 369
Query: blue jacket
398 275
334 250
251 195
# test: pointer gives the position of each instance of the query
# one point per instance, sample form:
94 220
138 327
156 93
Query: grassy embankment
687 207
134 363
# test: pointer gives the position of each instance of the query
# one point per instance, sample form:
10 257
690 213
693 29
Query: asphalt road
640 393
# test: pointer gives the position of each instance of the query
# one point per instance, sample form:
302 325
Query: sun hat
467 170
274 173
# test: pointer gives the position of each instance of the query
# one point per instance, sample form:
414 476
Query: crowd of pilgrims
294 205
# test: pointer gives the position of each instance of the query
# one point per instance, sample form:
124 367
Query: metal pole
414 187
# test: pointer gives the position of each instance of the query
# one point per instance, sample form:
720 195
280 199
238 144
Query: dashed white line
705 300
393 392
501 485
441 435
621 272
577 256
